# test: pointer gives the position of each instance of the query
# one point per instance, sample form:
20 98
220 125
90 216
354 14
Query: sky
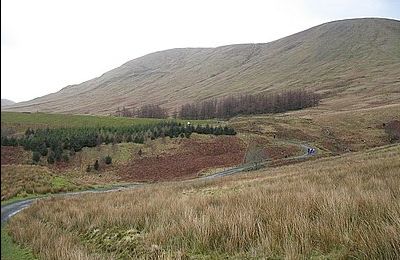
49 44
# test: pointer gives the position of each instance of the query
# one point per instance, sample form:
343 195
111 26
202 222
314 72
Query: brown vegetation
23 180
393 130
145 111
193 156
14 155
332 131
340 207
247 104
322 59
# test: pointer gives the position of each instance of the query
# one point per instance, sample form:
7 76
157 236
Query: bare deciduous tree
246 104
255 154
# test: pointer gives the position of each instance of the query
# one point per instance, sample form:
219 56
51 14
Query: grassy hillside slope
335 208
346 61
332 132
19 122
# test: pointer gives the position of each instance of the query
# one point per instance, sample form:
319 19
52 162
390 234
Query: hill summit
6 102
347 60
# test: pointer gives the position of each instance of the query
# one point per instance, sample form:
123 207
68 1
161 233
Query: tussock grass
338 207
332 131
25 180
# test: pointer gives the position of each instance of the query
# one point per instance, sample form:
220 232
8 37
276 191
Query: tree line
54 142
249 104
145 111
230 106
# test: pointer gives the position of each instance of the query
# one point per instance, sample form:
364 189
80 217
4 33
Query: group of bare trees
145 111
230 106
247 104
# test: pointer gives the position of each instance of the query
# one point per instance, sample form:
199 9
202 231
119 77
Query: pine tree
96 165
50 158
108 159
35 157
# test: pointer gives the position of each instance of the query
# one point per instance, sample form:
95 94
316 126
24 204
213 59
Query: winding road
11 209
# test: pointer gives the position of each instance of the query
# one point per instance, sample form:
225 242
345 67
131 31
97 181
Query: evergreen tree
43 149
129 139
50 158
35 157
108 159
96 165
65 157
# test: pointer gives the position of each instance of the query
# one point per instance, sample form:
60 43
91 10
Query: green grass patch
21 121
12 251
58 182
120 153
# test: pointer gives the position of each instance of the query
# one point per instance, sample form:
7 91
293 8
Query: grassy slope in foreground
338 207
40 120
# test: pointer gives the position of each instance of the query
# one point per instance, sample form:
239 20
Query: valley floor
344 203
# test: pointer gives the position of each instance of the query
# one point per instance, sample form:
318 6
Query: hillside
354 63
6 102
332 208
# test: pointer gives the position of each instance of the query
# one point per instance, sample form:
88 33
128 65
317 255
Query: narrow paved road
246 167
10 210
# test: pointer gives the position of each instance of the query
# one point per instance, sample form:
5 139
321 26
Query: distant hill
355 61
6 102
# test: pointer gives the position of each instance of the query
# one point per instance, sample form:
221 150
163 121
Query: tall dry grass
24 180
337 208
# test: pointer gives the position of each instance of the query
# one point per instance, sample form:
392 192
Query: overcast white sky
49 44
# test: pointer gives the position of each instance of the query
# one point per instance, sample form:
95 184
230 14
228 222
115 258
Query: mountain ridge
337 59
6 102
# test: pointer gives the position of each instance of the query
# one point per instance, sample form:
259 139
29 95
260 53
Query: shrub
65 158
29 132
51 159
96 165
35 157
393 130
108 159
129 139
89 168
43 149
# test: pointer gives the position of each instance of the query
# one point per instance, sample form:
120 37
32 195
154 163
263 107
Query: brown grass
23 180
335 132
339 207
192 156
15 155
